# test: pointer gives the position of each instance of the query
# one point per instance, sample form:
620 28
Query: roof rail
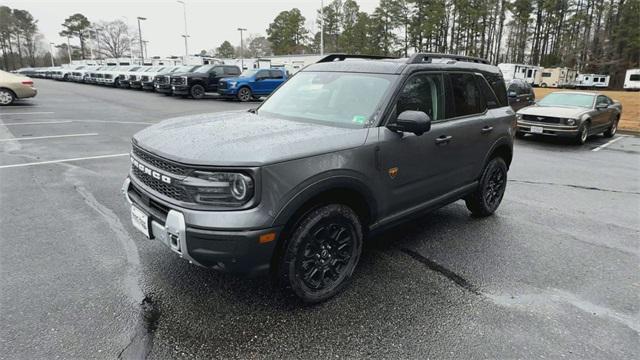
428 57
342 57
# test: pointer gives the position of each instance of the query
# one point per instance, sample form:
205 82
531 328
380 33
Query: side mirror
602 106
416 122
512 94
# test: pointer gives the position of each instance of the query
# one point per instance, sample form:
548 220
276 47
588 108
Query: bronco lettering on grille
150 172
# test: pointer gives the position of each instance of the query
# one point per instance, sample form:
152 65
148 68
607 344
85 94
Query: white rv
528 73
592 81
632 79
556 77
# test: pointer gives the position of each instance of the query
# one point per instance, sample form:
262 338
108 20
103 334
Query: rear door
215 74
261 83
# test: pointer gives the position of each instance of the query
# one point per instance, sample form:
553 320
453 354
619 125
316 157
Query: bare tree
115 39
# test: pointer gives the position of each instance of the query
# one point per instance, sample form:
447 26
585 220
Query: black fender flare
503 141
325 182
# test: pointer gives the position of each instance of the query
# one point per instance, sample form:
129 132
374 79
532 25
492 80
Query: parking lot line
48 137
27 113
116 122
62 160
609 143
38 123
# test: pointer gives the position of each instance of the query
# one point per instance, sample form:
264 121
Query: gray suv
346 147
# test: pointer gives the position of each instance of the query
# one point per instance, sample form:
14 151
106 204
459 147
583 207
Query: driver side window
423 92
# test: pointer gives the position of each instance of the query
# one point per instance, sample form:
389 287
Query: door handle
487 129
443 139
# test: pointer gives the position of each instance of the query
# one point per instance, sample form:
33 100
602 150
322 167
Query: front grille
159 162
145 78
108 76
177 81
132 78
163 188
542 119
162 79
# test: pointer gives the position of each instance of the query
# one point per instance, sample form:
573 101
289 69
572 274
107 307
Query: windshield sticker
359 119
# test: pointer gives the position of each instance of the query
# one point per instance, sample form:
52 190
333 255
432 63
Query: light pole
140 35
51 52
321 27
186 55
145 42
69 49
241 48
98 29
186 34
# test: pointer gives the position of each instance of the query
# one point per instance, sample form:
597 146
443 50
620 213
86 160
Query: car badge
393 172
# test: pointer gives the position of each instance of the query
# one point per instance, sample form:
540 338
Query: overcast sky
209 22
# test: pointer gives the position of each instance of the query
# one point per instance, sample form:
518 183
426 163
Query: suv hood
554 111
243 139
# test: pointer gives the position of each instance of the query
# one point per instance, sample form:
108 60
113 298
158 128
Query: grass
630 100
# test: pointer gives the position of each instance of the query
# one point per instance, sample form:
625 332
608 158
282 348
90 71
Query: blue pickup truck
252 83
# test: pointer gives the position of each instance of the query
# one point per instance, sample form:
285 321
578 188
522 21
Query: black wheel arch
502 148
343 189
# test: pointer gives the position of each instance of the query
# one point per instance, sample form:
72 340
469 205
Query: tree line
22 44
599 36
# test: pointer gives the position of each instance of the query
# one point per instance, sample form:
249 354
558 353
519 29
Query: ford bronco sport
346 147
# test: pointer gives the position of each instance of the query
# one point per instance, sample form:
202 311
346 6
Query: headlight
221 188
518 116
571 122
233 84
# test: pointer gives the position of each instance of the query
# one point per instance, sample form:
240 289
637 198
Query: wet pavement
555 273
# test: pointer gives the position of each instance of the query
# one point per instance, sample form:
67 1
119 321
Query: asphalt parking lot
554 274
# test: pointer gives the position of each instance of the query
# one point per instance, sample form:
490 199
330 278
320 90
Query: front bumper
135 84
180 89
124 83
228 92
226 250
148 85
548 129
163 88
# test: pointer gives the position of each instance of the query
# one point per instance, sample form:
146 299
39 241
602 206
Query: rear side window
466 96
634 77
499 88
486 91
276 74
423 92
231 70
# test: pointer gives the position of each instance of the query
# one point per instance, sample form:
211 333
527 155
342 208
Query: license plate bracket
140 220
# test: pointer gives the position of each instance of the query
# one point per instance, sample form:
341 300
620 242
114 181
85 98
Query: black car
520 94
162 82
202 80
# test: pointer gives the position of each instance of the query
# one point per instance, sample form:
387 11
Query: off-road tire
326 242
487 197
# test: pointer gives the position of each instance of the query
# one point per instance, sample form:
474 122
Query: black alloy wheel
322 253
197 91
487 197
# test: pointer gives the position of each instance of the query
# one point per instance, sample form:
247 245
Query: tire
6 97
543 85
612 129
583 133
321 254
485 200
197 91
244 94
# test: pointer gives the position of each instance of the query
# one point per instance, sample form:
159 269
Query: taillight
28 83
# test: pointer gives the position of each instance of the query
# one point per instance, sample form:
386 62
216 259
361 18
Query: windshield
568 99
332 98
249 73
205 69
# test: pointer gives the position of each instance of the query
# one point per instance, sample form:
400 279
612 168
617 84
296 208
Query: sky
209 23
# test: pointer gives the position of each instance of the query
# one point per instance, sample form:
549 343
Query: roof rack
342 57
428 57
